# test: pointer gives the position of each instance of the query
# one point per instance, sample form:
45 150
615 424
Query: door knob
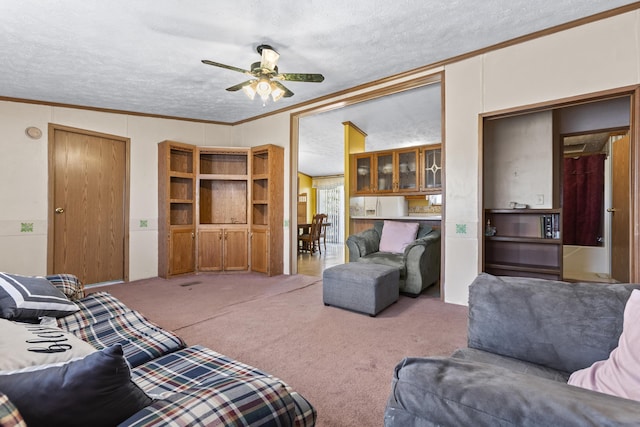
59 210
612 210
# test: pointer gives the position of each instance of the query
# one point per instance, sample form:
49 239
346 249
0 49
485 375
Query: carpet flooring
341 361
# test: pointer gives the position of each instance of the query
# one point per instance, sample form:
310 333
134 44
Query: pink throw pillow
619 375
397 235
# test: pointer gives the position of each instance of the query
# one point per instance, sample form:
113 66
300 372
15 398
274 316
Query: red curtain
583 204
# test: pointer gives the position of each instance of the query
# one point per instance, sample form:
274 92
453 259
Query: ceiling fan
265 78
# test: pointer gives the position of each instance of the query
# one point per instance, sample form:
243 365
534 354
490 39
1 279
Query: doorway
616 113
88 205
434 116
596 207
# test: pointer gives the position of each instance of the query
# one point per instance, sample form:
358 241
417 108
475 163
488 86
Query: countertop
402 218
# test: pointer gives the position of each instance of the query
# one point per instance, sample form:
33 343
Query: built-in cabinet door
260 250
384 175
210 250
405 168
362 174
432 169
182 251
236 248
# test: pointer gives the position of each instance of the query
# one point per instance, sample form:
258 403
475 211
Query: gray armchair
419 265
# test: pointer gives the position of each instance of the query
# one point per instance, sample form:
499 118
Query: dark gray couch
419 265
525 337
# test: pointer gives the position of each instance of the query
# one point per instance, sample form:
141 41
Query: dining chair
307 241
323 232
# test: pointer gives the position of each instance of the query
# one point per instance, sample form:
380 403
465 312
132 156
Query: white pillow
24 345
619 375
396 235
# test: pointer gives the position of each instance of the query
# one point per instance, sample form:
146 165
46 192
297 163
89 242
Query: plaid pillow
9 414
68 284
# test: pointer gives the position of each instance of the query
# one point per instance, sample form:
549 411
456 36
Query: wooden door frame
433 77
51 189
633 92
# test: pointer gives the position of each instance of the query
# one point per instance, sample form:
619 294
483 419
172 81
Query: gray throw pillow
94 391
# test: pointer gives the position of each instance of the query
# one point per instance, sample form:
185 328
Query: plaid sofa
190 386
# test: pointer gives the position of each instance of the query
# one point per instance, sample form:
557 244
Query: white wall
24 178
519 161
597 56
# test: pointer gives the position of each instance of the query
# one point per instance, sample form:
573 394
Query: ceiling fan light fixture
262 73
250 90
263 87
276 92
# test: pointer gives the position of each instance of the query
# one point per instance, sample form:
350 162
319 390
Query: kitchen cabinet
401 171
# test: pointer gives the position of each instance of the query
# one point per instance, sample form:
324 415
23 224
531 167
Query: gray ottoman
358 286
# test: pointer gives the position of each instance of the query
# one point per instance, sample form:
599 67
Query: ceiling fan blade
228 67
301 77
287 92
239 86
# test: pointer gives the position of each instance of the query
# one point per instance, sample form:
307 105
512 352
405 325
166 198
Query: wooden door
236 248
619 210
210 250
260 250
88 205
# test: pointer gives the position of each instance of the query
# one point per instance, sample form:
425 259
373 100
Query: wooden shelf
185 175
181 160
176 208
537 240
223 162
519 246
522 211
524 267
267 186
226 177
211 199
181 187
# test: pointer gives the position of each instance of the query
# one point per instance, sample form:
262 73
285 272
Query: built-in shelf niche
223 201
181 188
223 164
260 214
260 163
181 214
181 161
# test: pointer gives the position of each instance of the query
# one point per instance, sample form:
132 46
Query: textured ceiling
144 55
